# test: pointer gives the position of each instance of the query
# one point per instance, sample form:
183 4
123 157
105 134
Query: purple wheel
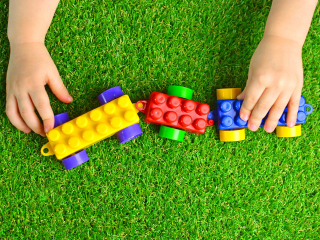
129 133
75 160
110 94
61 119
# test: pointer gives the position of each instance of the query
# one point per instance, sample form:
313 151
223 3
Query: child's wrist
21 38
283 40
14 43
297 42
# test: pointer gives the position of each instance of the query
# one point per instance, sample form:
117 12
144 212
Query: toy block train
68 138
232 127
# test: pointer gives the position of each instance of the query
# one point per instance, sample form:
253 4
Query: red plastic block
176 112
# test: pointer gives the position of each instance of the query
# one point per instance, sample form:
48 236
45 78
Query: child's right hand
275 81
30 69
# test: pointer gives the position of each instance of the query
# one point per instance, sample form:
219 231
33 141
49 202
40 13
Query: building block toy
117 115
232 127
175 112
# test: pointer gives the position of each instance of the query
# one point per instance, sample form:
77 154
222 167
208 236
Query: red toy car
175 112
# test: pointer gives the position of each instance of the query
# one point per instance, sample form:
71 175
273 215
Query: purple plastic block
110 94
61 119
129 133
75 160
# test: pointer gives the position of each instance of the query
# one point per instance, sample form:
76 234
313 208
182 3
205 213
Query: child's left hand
275 81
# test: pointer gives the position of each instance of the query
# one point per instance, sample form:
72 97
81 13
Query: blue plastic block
226 115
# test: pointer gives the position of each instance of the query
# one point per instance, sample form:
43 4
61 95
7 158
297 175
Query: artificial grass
154 188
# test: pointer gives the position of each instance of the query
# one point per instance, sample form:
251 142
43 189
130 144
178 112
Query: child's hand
275 80
30 69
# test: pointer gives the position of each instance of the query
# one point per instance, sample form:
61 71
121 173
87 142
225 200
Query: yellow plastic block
284 131
232 135
91 127
228 93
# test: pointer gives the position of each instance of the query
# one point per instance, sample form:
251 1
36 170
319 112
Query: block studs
156 113
116 122
60 149
174 102
188 106
109 108
203 109
185 120
225 106
88 135
226 121
81 122
67 128
74 142
200 124
123 102
95 115
53 135
171 117
159 98
130 116
102 128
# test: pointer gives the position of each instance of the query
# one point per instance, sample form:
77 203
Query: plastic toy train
232 127
69 138
175 112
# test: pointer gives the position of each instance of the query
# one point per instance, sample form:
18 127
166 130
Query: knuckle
280 84
250 100
279 107
41 105
262 78
294 103
272 120
255 119
61 88
264 107
24 113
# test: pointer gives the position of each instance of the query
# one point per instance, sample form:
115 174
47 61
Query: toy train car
68 139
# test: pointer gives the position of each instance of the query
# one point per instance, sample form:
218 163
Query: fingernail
244 117
290 124
253 127
46 129
70 98
27 131
268 129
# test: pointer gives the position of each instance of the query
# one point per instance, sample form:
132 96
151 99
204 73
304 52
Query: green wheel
171 133
182 92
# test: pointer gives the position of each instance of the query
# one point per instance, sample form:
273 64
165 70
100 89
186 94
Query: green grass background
153 188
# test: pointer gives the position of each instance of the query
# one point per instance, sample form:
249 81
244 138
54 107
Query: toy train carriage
175 112
232 127
117 115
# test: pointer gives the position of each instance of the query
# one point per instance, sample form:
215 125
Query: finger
41 102
242 95
293 107
57 87
26 109
276 111
13 114
262 107
253 91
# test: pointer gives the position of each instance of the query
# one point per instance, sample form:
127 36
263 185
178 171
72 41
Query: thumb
57 87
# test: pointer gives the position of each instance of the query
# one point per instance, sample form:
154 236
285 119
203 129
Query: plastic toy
232 127
175 112
117 115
